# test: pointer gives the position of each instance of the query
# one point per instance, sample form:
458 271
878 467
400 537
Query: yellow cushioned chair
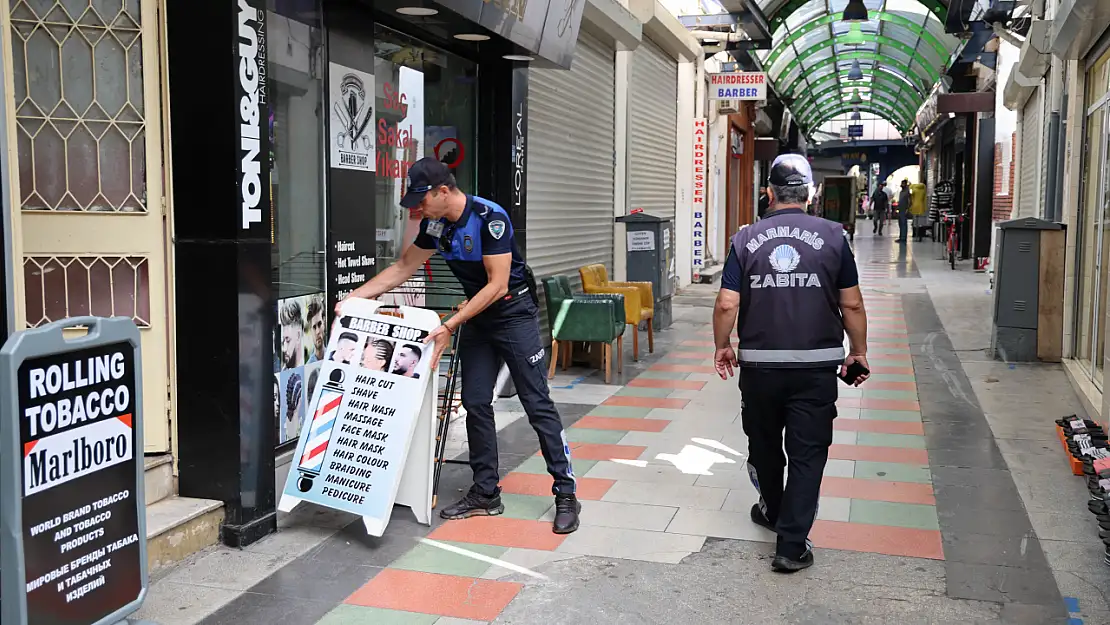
639 303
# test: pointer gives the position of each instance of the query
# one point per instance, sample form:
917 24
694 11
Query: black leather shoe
567 508
761 519
783 564
474 504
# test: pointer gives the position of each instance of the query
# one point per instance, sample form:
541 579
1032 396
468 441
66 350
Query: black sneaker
474 504
567 508
761 519
783 564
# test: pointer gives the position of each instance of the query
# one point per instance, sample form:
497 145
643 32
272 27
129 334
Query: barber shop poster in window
299 341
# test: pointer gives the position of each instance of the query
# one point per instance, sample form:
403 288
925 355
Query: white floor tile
608 542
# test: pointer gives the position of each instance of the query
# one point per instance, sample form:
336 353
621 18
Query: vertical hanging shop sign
518 207
252 118
701 132
73 539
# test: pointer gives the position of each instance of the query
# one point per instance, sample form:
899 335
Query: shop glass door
1093 259
426 105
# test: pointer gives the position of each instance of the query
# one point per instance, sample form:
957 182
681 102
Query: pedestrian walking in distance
880 203
791 289
476 239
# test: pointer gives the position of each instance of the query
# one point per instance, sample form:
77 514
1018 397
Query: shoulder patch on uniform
496 228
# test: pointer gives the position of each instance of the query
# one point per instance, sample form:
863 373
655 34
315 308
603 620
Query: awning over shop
901 51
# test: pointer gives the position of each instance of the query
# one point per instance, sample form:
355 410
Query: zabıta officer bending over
475 237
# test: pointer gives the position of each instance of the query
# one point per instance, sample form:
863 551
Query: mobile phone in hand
854 372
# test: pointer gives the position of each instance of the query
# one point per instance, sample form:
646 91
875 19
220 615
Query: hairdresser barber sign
72 472
369 440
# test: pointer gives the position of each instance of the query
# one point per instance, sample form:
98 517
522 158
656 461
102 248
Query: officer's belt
515 293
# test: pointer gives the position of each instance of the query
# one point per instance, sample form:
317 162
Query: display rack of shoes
1089 452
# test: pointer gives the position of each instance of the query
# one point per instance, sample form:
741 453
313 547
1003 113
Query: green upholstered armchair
587 318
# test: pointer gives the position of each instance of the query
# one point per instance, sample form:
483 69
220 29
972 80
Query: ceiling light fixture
856 11
517 57
856 73
856 99
472 37
417 11
855 116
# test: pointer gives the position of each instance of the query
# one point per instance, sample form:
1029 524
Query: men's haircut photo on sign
83 541
359 425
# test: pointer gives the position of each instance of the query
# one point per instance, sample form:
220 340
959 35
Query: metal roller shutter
1031 130
570 163
653 130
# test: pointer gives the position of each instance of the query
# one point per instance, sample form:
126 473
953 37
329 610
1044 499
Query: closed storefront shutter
1031 129
653 130
570 163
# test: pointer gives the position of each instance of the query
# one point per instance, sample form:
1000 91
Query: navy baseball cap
425 175
791 170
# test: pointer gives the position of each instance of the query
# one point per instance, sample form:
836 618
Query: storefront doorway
1094 215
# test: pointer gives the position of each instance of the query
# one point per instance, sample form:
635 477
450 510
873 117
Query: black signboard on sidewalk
71 475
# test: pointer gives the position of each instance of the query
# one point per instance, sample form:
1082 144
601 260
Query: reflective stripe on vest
828 354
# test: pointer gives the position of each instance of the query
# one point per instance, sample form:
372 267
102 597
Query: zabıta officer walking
792 281
475 237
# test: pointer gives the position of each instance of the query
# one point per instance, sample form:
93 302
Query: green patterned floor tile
849 391
357 615
429 559
905 441
663 375
529 507
893 472
536 465
908 416
912 515
626 412
588 435
879 361
906 395
891 377
637 391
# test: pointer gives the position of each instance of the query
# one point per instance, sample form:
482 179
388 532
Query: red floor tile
899 358
878 490
587 488
885 335
889 404
888 346
892 370
647 402
432 593
891 541
702 355
876 385
868 453
597 451
879 427
662 366
686 385
501 531
709 344
620 423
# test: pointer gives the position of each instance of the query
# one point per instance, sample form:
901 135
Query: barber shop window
297 163
426 106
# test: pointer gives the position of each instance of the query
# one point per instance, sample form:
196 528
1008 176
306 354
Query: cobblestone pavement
920 519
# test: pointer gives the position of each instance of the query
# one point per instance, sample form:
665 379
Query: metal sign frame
7 270
37 343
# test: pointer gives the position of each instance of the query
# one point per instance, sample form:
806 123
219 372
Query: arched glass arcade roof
902 50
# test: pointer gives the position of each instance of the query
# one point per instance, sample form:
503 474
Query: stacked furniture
584 318
639 303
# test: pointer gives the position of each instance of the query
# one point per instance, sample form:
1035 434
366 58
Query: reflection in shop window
425 98
295 65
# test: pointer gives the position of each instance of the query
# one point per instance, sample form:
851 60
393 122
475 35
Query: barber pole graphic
319 434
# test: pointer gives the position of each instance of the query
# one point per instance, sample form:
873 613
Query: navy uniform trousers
803 402
509 332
